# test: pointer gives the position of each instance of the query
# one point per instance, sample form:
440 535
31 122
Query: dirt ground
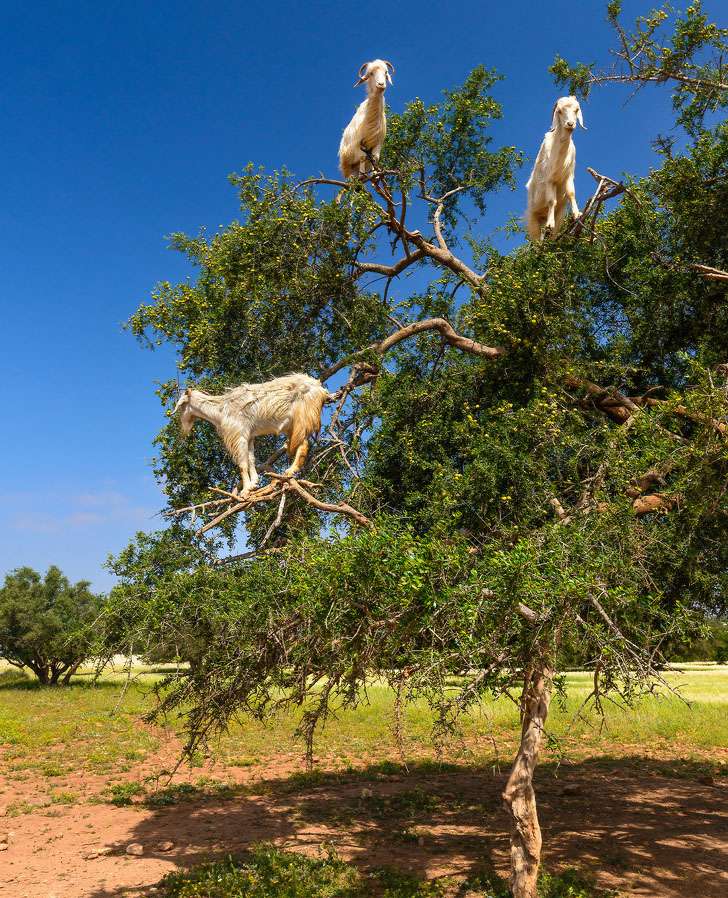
636 824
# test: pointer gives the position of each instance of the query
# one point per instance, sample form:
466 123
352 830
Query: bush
44 623
268 872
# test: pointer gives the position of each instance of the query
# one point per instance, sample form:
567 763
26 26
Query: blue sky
121 122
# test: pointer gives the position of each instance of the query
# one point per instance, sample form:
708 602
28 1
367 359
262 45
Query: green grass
268 872
123 794
661 723
86 727
135 793
54 731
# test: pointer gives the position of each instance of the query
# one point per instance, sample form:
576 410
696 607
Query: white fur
291 405
368 127
552 180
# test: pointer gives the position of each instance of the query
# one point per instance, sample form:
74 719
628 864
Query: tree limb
446 330
390 270
707 271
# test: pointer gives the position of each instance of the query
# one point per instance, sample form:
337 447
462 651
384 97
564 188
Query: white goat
291 405
368 128
552 180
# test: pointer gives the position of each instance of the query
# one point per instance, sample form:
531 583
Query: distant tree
709 645
44 623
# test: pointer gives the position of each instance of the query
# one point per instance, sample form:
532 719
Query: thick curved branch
445 329
438 212
621 408
342 508
707 271
447 259
612 403
683 412
390 270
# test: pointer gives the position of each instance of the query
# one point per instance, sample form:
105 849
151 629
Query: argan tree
45 623
525 454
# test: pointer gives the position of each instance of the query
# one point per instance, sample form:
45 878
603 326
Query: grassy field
95 727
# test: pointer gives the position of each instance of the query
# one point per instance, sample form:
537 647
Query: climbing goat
552 180
368 128
291 405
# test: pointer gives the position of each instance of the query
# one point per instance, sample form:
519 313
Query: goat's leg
252 470
244 485
533 225
571 196
297 454
550 207
242 458
558 216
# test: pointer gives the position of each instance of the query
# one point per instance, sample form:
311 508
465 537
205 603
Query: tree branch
624 78
707 271
390 270
446 330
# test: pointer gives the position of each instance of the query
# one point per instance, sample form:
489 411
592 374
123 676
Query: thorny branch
438 251
606 189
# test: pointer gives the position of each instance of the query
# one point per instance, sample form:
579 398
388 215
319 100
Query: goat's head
186 415
566 114
377 73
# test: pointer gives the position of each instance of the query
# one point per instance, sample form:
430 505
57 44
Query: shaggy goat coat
290 405
368 127
551 183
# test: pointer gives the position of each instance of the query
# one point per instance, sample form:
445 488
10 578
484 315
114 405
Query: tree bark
69 673
519 796
41 671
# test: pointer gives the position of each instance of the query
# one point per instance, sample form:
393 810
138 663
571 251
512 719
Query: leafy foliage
507 496
268 872
44 623
690 57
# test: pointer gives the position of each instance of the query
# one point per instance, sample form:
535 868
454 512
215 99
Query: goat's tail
306 414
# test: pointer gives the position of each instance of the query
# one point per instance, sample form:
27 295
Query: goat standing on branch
290 405
552 180
366 131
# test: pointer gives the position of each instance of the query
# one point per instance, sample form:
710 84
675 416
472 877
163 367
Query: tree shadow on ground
659 830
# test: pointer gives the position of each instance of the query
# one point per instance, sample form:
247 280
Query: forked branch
277 490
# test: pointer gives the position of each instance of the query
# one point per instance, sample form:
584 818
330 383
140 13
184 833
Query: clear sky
121 122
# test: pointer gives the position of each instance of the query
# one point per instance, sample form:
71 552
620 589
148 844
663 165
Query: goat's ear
554 116
389 77
580 118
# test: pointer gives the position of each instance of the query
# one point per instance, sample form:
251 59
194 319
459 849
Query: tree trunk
518 796
69 673
57 669
41 671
